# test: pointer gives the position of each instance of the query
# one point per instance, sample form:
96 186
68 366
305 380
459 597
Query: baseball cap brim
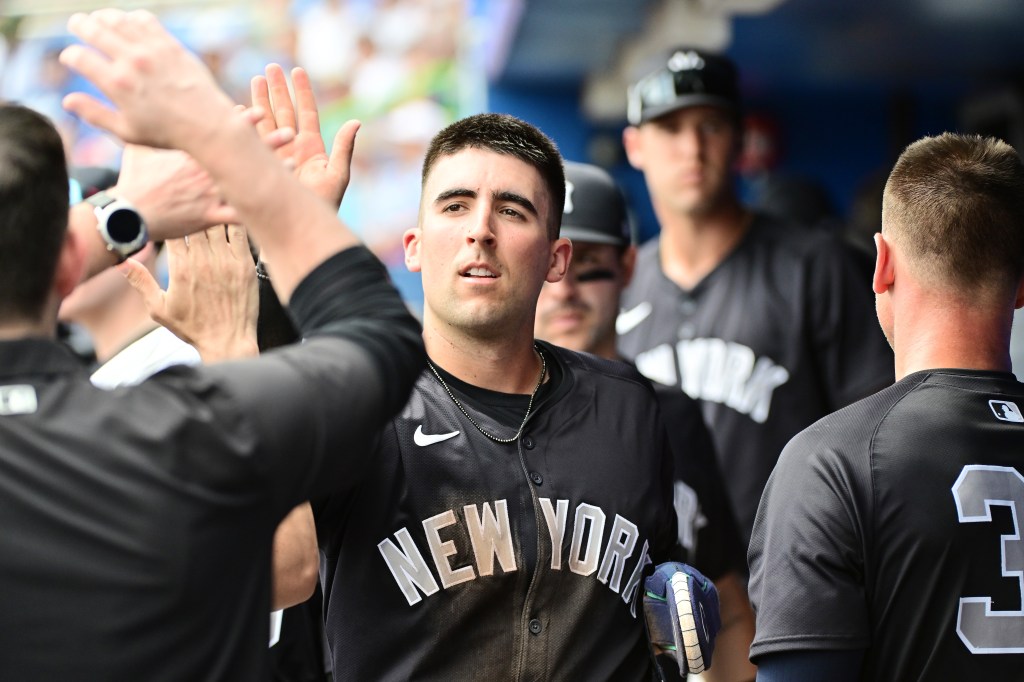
684 102
581 234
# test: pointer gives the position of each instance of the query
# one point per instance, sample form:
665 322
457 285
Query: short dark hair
955 204
504 134
33 210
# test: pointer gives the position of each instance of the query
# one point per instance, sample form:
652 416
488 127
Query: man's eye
452 208
511 212
595 275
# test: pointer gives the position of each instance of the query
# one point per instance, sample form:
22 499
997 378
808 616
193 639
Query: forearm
350 295
295 561
731 660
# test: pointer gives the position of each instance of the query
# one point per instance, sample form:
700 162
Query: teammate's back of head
955 206
504 134
33 211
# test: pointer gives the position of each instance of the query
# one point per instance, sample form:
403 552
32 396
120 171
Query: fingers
90 110
276 139
238 242
101 29
142 281
259 92
342 150
280 97
222 214
307 117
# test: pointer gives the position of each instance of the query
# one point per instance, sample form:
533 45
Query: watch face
123 225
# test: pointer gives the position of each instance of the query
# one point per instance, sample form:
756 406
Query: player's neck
952 336
692 245
506 365
15 331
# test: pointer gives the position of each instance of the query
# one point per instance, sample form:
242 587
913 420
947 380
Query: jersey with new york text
459 558
893 526
779 334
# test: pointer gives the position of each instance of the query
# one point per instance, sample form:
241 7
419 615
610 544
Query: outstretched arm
165 97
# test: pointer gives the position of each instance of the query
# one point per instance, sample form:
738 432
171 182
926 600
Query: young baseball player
503 523
138 521
578 312
887 542
768 325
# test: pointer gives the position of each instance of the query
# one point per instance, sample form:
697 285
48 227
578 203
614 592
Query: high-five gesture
211 300
165 97
327 176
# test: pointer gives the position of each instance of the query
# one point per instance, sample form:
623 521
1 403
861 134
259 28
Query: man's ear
631 143
70 265
561 254
411 244
885 272
628 264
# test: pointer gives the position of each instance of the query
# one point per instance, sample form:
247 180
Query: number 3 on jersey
975 492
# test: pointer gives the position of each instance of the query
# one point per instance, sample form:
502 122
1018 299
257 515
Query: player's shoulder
850 430
647 272
591 368
798 241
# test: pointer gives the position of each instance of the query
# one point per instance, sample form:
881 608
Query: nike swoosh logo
425 439
629 319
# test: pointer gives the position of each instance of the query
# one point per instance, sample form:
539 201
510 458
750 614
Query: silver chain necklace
529 406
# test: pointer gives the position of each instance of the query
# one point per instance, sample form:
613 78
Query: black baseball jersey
704 519
779 334
138 521
893 526
459 558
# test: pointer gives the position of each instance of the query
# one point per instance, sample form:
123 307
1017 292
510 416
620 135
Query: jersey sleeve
806 552
307 413
850 352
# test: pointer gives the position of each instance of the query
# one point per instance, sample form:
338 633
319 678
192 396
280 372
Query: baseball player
579 313
503 524
887 542
138 521
768 325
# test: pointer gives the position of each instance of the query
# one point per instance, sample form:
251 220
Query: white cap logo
569 187
685 61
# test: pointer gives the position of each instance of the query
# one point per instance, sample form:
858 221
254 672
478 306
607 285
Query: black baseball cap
595 210
689 78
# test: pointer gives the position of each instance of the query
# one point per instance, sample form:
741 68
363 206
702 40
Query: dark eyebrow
517 199
499 196
455 192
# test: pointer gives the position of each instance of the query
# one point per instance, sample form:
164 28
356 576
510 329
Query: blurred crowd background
400 66
833 91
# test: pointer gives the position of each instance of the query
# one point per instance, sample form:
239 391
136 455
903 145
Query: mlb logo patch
1006 411
17 399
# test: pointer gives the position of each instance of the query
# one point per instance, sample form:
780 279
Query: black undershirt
508 409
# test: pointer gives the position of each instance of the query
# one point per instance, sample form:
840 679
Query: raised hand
174 193
164 96
211 300
327 176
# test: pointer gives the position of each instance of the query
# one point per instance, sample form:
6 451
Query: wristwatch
120 224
